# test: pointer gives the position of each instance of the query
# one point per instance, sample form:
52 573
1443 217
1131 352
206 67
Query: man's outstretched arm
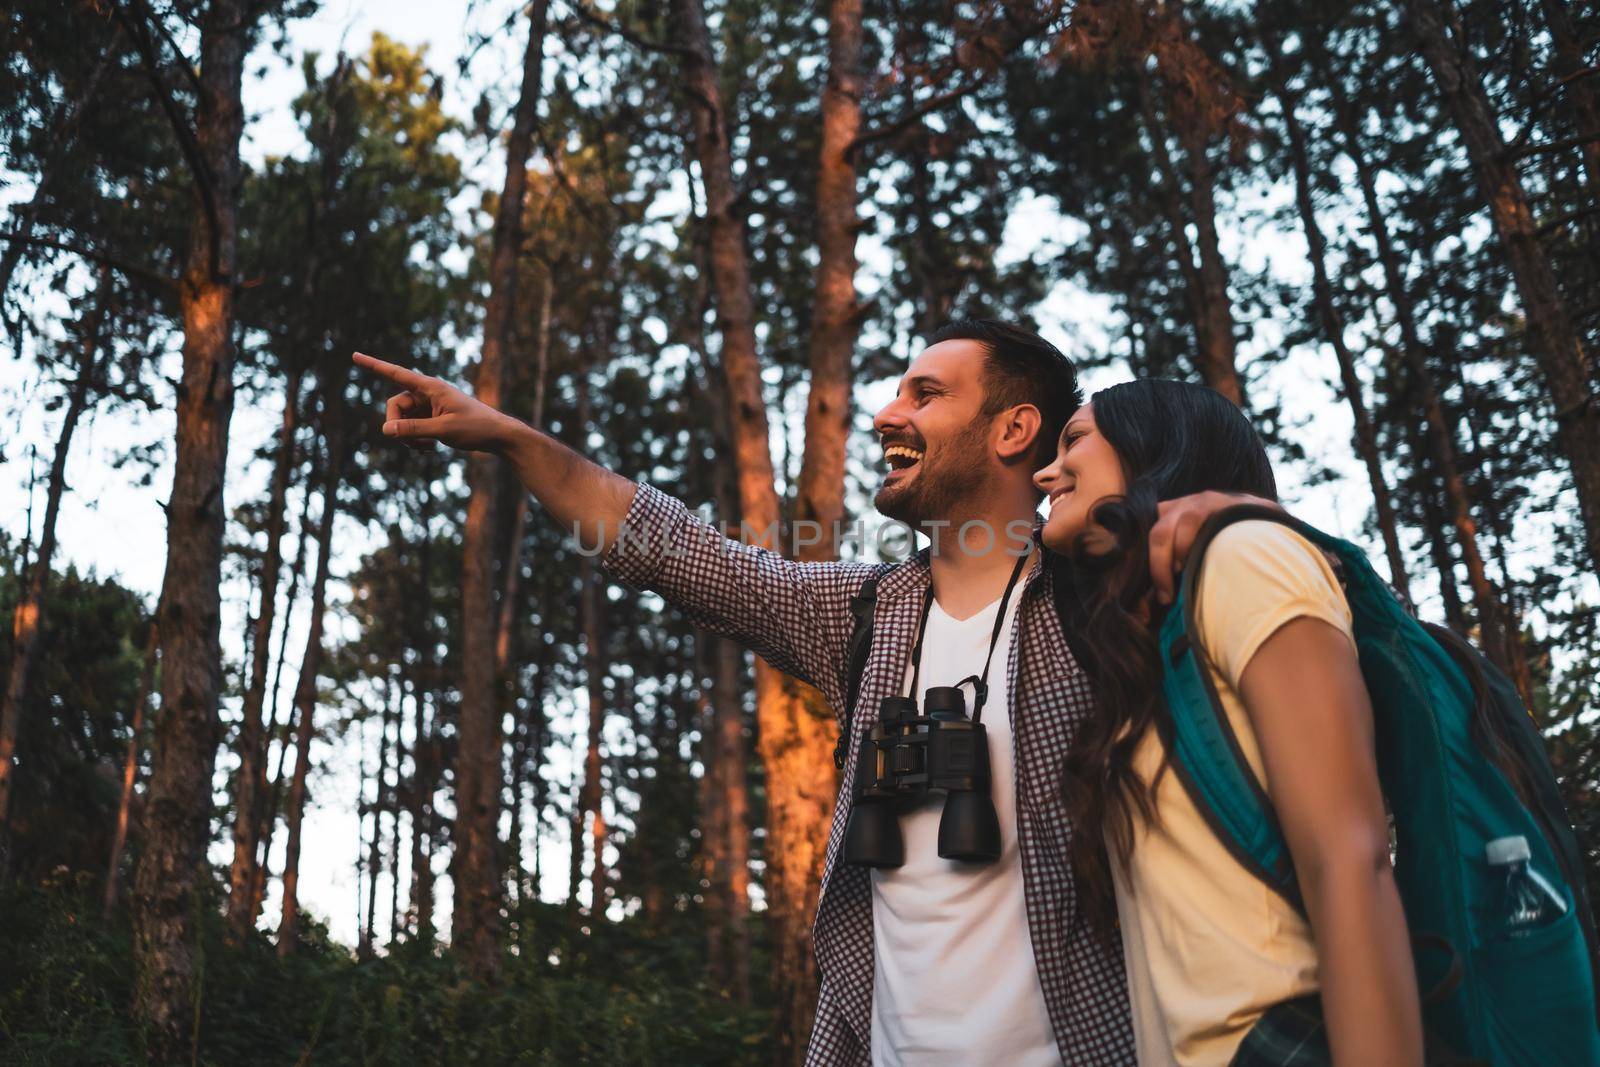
795 615
581 495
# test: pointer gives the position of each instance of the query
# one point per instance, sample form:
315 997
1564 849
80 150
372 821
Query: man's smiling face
935 437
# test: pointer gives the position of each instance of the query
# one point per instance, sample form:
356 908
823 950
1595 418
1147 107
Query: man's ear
1019 432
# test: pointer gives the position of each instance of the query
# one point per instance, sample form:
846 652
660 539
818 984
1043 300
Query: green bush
620 994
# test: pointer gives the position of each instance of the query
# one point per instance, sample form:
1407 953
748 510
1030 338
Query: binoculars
905 755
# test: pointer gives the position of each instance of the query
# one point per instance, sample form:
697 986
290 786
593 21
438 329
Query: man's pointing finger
410 379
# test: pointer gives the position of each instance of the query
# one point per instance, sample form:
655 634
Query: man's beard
942 480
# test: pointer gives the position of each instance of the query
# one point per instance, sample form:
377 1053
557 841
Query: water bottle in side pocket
1527 900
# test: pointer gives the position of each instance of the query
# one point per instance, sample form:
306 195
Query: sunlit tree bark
796 729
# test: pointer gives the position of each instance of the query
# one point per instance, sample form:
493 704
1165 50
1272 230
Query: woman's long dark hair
1173 439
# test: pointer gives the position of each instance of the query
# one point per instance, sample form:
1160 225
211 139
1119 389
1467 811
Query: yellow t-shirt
1208 946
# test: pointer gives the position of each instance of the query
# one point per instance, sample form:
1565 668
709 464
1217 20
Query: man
935 961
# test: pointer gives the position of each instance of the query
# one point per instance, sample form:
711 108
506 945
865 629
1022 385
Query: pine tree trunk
1455 611
1557 348
250 781
375 851
539 796
795 725
1213 356
733 799
396 920
575 857
1439 435
525 765
1218 355
713 839
253 826
27 618
305 701
726 789
505 628
1333 326
513 873
479 892
510 606
835 312
423 764
177 813
267 825
362 950
1435 526
130 773
590 606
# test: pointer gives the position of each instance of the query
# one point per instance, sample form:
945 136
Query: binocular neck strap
980 682
922 631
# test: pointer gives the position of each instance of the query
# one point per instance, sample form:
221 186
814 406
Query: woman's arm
1309 707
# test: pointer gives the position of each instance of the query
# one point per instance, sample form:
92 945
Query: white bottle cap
1506 850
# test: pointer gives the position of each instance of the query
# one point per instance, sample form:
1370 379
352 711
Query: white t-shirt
955 982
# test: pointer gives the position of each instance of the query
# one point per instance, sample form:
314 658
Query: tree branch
1565 217
132 270
67 129
1553 146
138 28
582 205
996 51
581 9
910 118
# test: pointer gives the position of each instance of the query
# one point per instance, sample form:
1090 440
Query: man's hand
1173 534
432 410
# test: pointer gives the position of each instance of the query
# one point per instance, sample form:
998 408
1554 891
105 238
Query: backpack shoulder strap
1205 753
862 607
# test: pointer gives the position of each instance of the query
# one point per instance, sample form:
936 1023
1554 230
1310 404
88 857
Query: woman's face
1086 471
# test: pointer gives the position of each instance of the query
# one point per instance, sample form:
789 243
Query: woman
1210 950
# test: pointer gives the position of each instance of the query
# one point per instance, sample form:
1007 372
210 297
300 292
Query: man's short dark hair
1021 368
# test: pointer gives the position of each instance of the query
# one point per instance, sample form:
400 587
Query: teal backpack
1438 705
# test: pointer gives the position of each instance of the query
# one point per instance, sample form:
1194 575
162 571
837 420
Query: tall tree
130 776
250 782
1333 326
27 618
725 831
592 793
1185 95
1441 448
177 820
836 311
479 779
375 847
796 732
424 761
305 693
1556 346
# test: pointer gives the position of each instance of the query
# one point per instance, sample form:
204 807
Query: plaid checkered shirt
797 616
